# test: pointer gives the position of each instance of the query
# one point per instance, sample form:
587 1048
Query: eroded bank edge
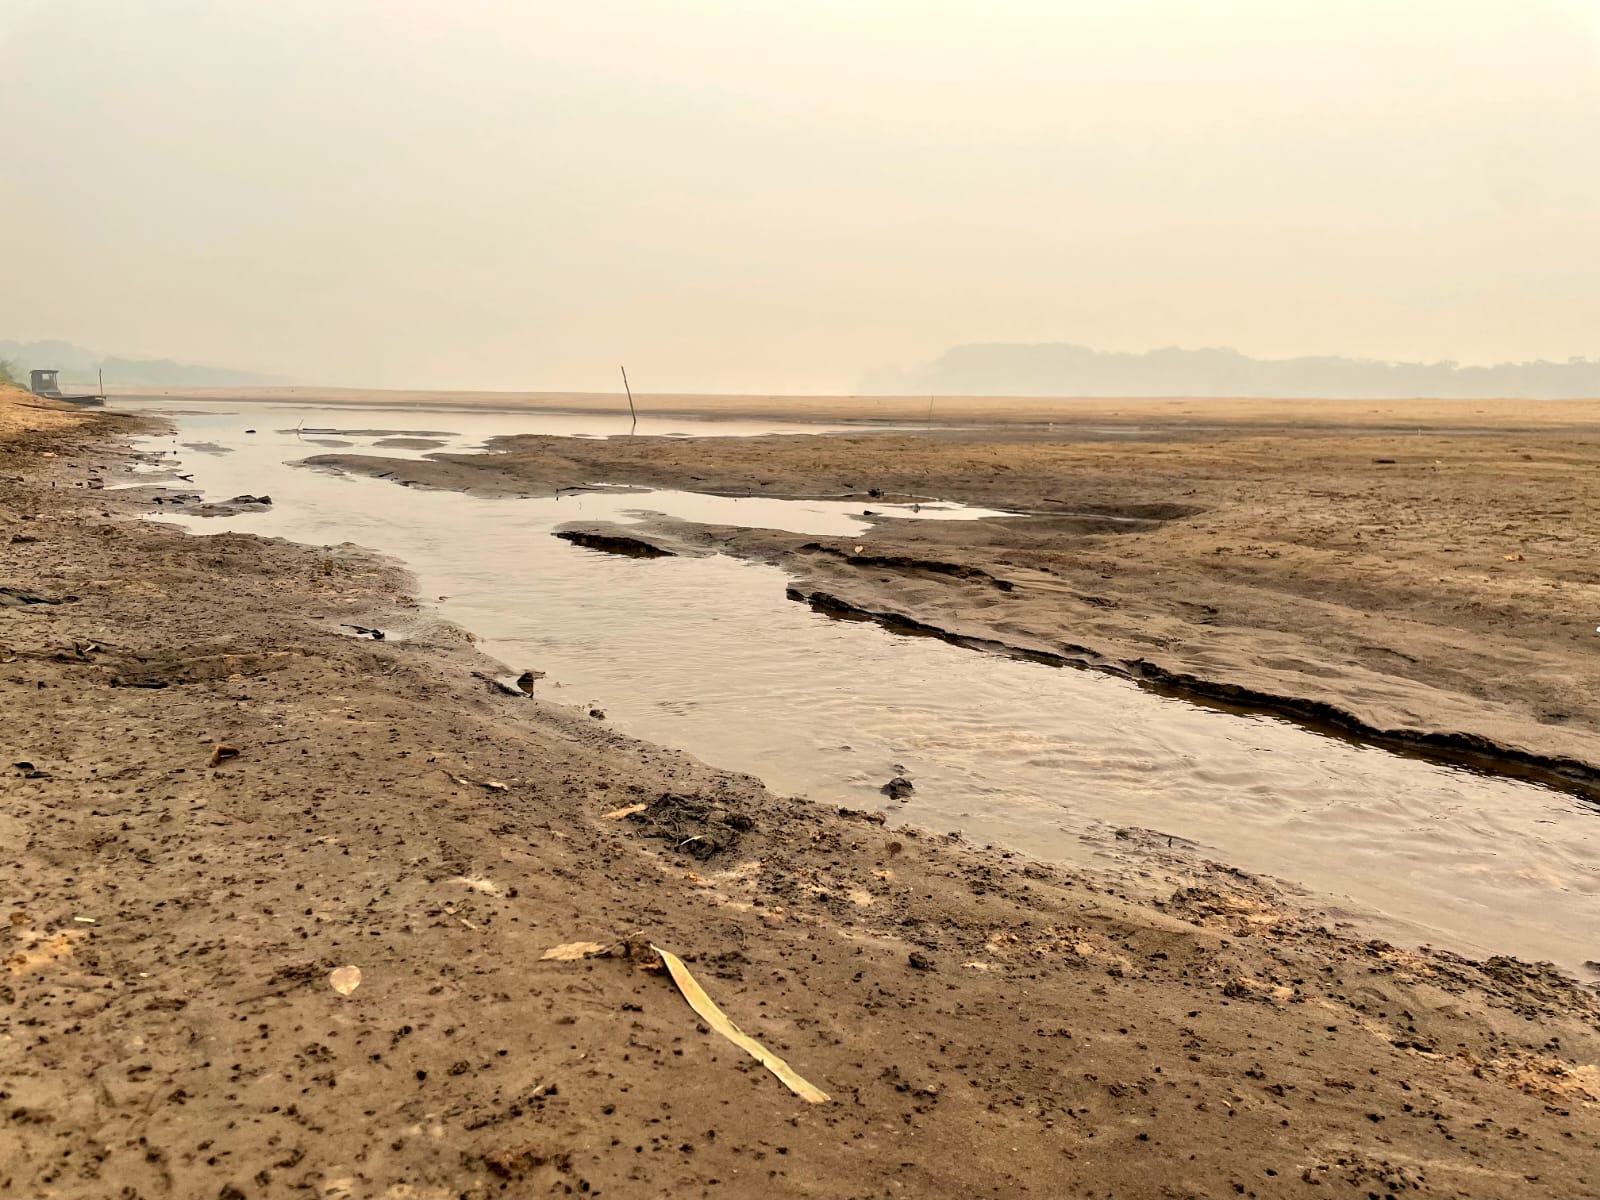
1465 751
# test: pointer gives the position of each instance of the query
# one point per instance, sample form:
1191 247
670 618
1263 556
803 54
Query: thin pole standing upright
629 390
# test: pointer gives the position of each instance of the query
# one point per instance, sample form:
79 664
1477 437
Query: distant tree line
83 366
1062 369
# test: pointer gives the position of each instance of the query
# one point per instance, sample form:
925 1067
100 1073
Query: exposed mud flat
613 543
168 1023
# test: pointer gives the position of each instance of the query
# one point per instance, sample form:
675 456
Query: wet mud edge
1465 751
611 543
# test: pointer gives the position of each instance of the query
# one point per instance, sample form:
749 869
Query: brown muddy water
706 654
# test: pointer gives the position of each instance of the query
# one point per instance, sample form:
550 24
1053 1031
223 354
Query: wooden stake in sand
629 390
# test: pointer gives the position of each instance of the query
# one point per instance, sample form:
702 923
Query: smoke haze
763 196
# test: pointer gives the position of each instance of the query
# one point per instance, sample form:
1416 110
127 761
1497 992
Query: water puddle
706 654
816 517
460 430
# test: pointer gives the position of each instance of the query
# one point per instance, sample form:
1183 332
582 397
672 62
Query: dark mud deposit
613 543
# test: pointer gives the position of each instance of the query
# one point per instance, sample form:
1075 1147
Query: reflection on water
707 655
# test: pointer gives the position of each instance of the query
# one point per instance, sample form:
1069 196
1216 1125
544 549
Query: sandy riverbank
985 1026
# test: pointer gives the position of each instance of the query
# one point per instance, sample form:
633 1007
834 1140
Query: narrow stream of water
707 655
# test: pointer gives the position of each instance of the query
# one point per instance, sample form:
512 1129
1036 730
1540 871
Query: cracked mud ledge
613 543
1446 748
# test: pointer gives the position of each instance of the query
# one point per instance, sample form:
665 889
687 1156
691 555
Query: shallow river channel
706 654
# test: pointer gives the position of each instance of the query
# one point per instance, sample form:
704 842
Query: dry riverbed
983 1025
1435 590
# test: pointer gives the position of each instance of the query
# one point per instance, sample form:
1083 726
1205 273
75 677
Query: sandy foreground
983 1025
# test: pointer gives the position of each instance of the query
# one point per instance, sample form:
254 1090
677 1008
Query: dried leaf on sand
617 814
345 980
718 1020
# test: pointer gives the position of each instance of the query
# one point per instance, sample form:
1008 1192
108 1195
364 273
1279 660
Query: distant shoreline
944 410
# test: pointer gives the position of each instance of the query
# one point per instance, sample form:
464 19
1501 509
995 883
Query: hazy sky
755 195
